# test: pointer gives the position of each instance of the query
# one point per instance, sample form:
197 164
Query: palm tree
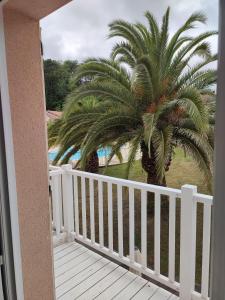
150 95
68 132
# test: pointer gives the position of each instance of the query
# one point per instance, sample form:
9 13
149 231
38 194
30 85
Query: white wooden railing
76 194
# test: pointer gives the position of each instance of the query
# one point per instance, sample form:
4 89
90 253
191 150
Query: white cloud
79 29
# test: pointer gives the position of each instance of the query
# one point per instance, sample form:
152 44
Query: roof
52 115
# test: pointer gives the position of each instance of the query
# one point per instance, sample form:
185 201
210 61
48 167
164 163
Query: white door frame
7 124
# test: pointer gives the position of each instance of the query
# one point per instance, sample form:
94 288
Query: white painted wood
110 217
206 250
65 251
76 205
172 239
157 227
100 213
83 199
92 210
91 281
120 219
144 229
146 291
82 264
131 224
68 289
56 216
10 160
129 183
117 287
74 261
1 287
68 201
133 287
173 297
61 247
90 276
160 294
69 257
103 284
187 242
148 272
130 261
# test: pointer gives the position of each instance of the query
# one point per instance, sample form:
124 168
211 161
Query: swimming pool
104 152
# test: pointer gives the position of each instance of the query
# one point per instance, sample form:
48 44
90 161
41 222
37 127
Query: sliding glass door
7 274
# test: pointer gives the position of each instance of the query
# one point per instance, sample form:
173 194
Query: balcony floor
83 274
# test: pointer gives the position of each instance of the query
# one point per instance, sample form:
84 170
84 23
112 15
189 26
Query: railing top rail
198 197
202 198
56 172
129 183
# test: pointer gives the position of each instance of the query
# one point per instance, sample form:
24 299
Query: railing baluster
157 223
92 209
144 228
120 218
206 250
100 213
172 222
84 217
67 181
68 201
55 180
131 223
110 217
76 205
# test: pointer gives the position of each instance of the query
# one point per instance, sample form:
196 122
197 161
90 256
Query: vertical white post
84 214
157 234
187 241
110 217
144 228
120 219
67 186
76 205
100 213
172 237
55 203
131 224
92 209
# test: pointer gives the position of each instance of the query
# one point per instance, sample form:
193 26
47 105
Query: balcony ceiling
36 9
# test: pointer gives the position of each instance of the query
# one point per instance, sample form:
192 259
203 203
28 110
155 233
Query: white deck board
146 292
131 289
83 274
117 287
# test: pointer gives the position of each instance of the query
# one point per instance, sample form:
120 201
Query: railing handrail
70 205
197 197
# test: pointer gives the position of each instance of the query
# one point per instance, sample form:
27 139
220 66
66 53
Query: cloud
79 30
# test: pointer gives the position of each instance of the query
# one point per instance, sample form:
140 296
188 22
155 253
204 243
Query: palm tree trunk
92 164
149 165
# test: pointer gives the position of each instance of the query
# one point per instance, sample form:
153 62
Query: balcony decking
83 274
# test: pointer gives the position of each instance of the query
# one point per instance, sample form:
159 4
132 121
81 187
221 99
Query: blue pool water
104 152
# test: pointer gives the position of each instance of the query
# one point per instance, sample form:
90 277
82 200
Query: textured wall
29 137
36 9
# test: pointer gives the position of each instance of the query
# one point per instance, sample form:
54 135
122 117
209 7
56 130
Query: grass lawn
183 171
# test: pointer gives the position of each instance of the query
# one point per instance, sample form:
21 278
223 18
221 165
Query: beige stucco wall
29 138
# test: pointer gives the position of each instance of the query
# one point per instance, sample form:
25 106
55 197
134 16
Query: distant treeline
58 82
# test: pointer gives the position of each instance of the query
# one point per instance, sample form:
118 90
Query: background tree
155 101
58 82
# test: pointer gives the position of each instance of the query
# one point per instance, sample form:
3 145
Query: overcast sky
79 30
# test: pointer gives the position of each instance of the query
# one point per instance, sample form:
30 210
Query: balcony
112 241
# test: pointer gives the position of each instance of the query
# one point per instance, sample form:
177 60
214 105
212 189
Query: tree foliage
58 82
148 94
